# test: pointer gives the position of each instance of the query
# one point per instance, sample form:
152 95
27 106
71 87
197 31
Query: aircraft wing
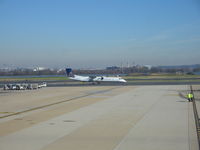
91 78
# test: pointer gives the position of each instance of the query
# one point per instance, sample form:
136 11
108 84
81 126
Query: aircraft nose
122 80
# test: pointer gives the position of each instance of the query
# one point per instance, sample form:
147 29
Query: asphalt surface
96 118
65 83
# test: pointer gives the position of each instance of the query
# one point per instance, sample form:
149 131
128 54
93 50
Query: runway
71 83
98 117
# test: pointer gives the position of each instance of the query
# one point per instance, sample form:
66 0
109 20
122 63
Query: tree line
115 70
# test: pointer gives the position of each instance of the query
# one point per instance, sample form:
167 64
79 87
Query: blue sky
99 33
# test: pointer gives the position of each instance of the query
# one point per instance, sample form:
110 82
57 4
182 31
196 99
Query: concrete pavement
145 117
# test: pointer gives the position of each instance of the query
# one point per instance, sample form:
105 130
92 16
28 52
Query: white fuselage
109 79
80 78
97 79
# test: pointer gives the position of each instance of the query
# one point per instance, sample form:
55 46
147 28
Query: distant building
112 68
148 66
39 69
60 70
180 73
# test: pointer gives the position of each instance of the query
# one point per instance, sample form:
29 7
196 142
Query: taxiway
97 117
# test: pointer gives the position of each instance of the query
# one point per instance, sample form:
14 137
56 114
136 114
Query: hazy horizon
97 34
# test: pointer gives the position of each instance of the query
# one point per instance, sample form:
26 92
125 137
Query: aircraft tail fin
69 72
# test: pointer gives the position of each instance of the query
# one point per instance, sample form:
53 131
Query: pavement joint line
196 116
52 104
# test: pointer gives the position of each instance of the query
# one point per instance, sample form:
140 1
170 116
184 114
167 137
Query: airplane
94 79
